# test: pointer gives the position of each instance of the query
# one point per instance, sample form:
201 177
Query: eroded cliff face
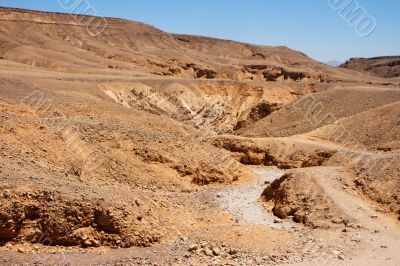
219 107
236 73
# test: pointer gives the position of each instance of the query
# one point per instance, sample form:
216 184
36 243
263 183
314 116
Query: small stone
193 247
277 221
6 194
21 250
233 251
87 243
96 243
337 220
216 251
208 252
336 252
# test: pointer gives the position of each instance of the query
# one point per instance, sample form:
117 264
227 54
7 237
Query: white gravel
243 200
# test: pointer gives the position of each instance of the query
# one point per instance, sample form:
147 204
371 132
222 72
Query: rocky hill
65 42
384 66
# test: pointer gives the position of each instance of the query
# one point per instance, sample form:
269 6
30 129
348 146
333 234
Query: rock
336 252
6 194
277 221
21 250
216 251
193 247
233 251
337 220
87 243
208 252
354 226
96 243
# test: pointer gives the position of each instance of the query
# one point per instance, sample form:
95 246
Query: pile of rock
212 250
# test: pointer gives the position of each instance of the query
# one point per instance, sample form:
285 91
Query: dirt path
242 200
378 238
380 233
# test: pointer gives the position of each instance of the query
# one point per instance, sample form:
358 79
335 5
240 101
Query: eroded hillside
385 66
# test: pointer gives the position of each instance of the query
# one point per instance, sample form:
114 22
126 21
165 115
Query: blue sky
310 26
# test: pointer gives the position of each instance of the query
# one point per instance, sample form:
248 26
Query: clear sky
310 26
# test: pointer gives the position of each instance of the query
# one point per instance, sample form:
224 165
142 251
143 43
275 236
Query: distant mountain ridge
60 42
382 66
334 63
